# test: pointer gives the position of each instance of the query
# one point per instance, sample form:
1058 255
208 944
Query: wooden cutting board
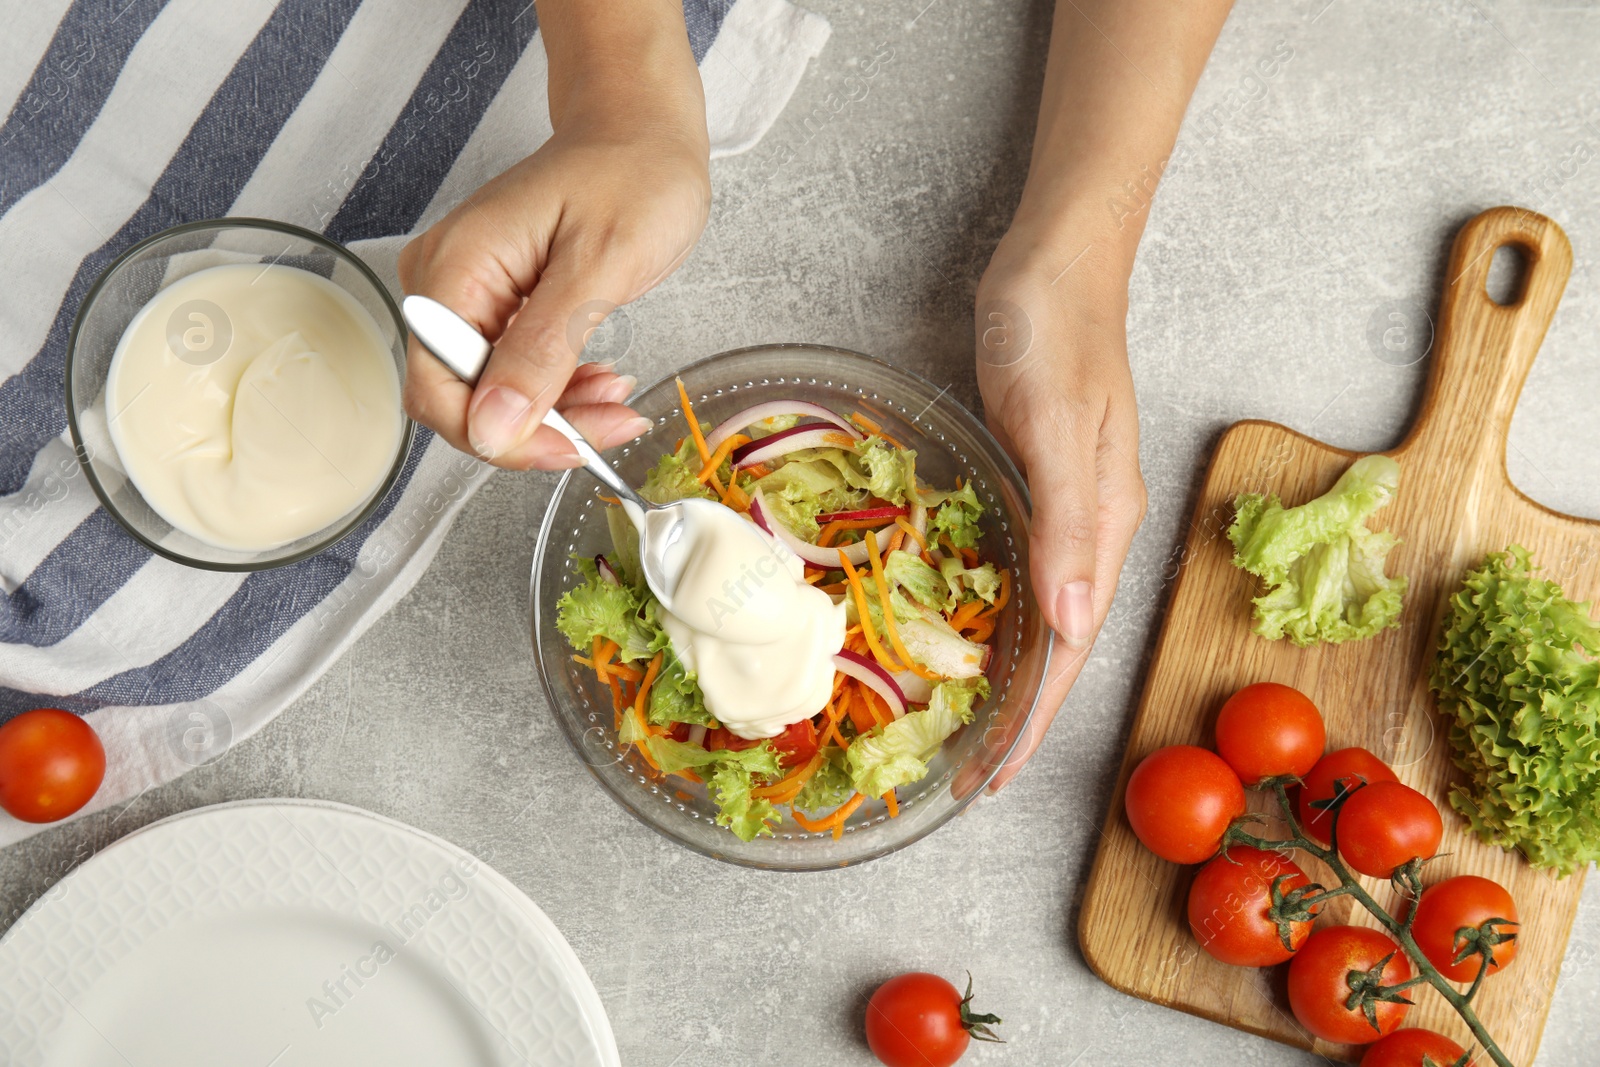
1455 504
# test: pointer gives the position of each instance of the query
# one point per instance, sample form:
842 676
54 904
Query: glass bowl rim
241 222
1006 467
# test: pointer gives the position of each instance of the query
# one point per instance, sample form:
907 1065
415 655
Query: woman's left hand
1053 371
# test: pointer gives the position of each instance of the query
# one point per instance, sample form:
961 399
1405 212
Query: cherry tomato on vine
1229 904
1405 1048
1463 901
1180 800
1384 825
919 1020
1266 730
51 764
1327 970
1351 766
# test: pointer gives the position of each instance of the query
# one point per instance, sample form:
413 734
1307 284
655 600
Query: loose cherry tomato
1266 730
919 1020
51 763
1463 901
1350 767
797 743
1180 799
1385 824
1405 1048
1326 971
1229 902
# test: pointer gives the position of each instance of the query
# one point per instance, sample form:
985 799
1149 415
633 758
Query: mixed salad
921 607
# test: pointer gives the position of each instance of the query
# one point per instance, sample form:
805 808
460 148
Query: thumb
535 357
1060 453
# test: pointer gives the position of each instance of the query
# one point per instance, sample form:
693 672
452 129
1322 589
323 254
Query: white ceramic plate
292 934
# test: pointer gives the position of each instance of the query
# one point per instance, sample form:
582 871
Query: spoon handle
592 460
458 345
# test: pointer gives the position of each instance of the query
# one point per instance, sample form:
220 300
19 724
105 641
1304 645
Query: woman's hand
1053 371
602 212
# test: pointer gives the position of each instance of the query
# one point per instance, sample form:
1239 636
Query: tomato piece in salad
797 744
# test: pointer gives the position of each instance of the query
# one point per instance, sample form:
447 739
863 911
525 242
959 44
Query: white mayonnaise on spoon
742 618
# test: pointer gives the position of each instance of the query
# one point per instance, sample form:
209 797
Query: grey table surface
1307 204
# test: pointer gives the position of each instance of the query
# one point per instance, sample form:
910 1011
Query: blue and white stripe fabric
363 119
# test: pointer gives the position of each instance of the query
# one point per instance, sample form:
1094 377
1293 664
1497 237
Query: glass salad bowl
949 442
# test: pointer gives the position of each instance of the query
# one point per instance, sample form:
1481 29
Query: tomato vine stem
1399 929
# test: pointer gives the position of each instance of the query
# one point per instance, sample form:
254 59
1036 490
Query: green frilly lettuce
1323 568
898 752
729 777
1517 678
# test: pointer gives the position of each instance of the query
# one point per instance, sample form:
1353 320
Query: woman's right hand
602 212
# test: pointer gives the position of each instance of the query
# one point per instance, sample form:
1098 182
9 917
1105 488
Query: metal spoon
457 344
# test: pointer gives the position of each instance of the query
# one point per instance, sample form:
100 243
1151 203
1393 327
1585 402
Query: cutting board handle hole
1507 275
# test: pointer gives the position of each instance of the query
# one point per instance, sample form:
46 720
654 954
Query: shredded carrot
699 438
599 657
644 686
983 631
873 428
719 455
694 423
969 556
965 614
888 610
884 659
736 498
833 588
834 820
609 499
620 670
757 471
813 577
896 539
906 527
616 700
881 715
894 804
860 711
794 779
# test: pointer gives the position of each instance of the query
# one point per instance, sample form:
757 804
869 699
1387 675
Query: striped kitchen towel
364 119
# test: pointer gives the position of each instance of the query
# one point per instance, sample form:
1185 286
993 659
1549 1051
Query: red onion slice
887 514
771 409
918 690
792 440
825 558
874 677
603 565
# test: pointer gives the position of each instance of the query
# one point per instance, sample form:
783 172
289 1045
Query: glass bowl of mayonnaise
950 443
233 392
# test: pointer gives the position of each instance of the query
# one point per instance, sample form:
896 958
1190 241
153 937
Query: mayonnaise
742 618
253 406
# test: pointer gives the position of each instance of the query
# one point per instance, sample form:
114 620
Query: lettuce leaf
1323 568
897 753
958 518
625 547
829 786
891 472
676 696
729 777
676 477
803 488
923 583
615 612
1517 678
982 581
